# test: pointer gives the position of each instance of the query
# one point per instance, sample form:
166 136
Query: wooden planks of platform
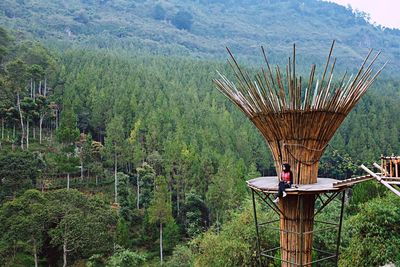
269 184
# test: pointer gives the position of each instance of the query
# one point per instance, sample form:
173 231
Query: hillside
117 150
203 28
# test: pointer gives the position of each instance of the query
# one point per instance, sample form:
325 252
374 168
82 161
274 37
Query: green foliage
195 214
226 190
18 172
5 41
374 233
23 222
235 244
82 224
160 210
68 133
146 176
182 257
68 219
115 136
364 192
183 20
125 258
191 149
122 233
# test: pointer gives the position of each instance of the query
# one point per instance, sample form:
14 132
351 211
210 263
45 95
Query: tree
5 40
29 108
67 135
195 214
182 257
115 141
80 223
160 210
374 233
18 172
145 183
24 219
226 190
183 20
16 77
235 244
125 258
159 12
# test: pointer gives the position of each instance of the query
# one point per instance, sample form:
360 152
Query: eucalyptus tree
160 210
114 144
67 135
16 77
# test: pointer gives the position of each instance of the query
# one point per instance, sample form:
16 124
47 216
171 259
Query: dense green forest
116 149
203 28
105 157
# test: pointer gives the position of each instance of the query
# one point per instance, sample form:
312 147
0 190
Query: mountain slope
203 28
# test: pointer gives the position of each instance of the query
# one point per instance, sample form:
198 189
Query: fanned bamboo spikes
268 94
297 121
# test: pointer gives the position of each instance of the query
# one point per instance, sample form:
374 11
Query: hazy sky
383 12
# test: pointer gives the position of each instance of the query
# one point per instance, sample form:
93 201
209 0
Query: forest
203 28
114 159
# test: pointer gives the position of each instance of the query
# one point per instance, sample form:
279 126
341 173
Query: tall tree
24 219
145 183
16 77
160 210
115 141
67 135
80 223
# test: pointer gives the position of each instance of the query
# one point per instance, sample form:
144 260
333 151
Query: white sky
383 12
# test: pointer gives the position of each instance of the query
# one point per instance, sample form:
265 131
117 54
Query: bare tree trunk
27 132
116 179
34 90
81 166
65 251
40 87
40 129
56 119
138 191
45 86
2 128
31 88
161 244
35 252
21 120
67 181
97 180
177 201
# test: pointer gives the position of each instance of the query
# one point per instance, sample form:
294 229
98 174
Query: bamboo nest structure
297 116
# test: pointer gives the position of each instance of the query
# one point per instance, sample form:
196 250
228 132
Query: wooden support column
391 167
295 225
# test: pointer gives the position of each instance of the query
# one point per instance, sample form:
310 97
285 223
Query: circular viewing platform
269 184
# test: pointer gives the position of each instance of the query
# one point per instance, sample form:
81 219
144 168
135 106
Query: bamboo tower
297 117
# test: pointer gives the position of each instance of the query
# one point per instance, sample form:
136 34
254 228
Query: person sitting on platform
285 181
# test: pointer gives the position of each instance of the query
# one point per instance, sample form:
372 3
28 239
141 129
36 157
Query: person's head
285 167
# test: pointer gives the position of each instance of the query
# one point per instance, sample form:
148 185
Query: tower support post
340 227
257 232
